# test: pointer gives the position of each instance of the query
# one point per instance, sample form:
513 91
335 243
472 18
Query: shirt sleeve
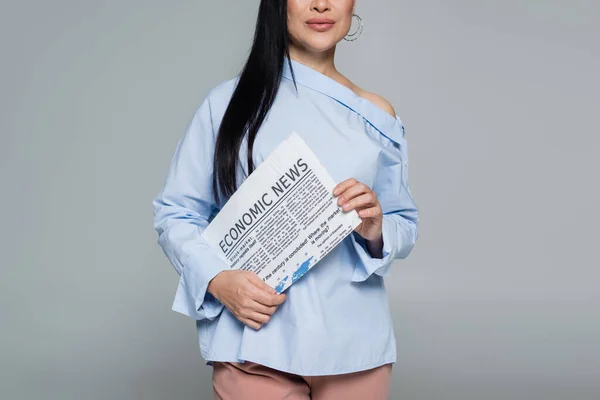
400 219
182 210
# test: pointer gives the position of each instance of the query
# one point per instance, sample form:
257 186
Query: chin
318 45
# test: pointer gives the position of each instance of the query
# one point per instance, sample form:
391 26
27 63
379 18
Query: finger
365 200
259 283
373 212
342 186
261 308
251 323
263 293
353 191
278 299
259 317
265 298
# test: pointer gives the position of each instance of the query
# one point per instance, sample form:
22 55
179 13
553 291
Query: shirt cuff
191 298
212 307
369 265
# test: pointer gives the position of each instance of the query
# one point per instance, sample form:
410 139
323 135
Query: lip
320 24
320 21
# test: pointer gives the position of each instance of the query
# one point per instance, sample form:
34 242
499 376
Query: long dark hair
253 96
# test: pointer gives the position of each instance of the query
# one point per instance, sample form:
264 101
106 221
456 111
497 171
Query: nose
320 6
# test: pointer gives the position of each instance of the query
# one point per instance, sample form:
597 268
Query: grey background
499 299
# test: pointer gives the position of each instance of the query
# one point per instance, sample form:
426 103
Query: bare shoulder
376 99
379 101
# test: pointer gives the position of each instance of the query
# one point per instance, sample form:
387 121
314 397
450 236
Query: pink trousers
251 381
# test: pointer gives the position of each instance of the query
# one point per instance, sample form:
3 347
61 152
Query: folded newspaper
283 218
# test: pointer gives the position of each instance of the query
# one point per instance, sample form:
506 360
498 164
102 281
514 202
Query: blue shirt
336 318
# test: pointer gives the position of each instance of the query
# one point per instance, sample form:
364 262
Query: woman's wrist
375 247
213 285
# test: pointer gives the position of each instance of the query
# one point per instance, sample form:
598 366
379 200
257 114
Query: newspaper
283 218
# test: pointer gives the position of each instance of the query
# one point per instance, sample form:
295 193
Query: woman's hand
247 296
353 194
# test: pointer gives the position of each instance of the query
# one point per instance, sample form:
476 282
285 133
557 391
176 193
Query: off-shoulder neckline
384 122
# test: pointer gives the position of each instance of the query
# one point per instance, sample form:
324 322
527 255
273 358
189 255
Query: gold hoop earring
356 34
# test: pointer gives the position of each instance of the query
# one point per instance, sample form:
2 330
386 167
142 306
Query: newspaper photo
283 218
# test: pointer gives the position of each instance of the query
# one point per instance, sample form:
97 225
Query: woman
330 335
